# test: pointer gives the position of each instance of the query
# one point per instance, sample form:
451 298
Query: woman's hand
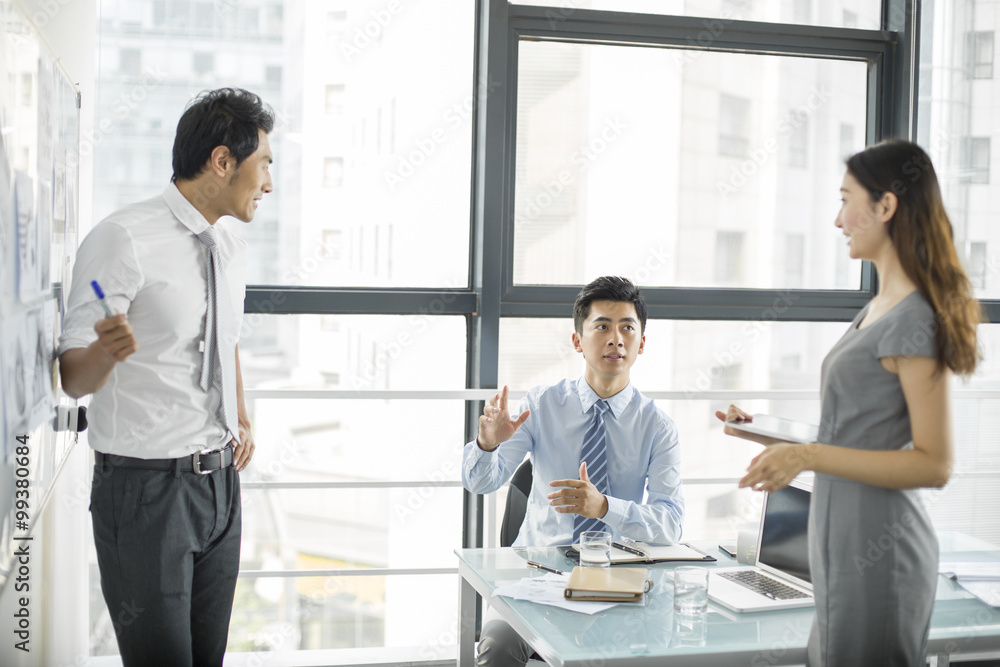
734 414
776 466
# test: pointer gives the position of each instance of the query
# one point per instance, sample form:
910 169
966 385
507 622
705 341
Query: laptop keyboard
764 585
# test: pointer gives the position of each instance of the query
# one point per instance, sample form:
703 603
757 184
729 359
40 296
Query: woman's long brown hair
924 240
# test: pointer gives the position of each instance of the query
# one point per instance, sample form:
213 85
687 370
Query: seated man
596 444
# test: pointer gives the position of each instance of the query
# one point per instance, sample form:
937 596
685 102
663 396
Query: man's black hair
608 288
230 117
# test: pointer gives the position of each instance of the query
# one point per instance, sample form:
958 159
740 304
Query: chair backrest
517 503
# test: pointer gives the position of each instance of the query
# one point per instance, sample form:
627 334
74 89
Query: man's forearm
84 370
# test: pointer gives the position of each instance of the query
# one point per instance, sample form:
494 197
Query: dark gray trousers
168 547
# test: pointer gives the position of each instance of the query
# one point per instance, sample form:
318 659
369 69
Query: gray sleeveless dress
873 551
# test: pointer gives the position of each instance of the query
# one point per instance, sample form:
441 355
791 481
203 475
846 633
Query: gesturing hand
579 496
775 467
734 414
495 424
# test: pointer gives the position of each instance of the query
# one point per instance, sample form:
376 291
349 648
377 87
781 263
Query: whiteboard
39 187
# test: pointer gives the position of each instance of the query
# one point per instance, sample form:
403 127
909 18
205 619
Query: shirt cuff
476 453
616 512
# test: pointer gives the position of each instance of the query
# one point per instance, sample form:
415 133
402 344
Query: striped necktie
218 367
595 453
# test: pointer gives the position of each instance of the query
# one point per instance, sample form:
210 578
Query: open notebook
626 553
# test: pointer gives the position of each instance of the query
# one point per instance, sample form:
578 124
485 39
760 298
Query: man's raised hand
495 424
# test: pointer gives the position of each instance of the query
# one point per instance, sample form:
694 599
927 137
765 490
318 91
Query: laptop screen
783 542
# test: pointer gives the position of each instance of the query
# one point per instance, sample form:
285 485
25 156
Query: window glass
682 168
365 143
843 13
956 124
352 352
312 613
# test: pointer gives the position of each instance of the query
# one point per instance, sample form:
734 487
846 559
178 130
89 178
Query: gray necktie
218 366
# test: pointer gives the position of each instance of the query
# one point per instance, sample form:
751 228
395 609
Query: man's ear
887 206
220 161
576 343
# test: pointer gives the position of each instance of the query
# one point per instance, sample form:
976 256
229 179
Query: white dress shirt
151 265
643 456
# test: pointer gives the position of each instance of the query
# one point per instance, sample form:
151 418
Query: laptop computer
780 580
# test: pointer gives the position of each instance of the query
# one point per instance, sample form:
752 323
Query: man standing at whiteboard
159 353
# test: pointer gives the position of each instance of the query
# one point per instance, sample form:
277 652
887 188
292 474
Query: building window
726 377
850 19
336 25
798 144
802 11
728 257
272 75
333 172
203 62
734 126
794 259
847 145
130 62
976 159
977 264
334 104
979 55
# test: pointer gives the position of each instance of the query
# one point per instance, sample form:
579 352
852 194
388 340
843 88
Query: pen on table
544 567
100 298
631 550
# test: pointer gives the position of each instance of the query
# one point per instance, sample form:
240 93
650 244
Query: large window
680 167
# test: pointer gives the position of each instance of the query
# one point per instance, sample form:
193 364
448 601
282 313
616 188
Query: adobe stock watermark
796 634
121 108
565 9
391 350
455 117
371 30
419 495
582 159
787 125
714 29
884 543
749 334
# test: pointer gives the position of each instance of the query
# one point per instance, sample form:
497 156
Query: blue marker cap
100 298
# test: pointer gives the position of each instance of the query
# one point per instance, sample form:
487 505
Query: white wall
58 578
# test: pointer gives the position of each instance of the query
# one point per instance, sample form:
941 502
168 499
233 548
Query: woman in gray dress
885 427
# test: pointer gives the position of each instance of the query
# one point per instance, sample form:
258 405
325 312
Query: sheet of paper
548 590
987 591
971 570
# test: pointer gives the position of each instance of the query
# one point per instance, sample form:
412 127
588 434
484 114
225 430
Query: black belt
202 463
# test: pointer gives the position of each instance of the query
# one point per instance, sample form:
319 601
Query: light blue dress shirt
643 456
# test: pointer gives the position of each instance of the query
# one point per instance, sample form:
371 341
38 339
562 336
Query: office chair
513 516
517 503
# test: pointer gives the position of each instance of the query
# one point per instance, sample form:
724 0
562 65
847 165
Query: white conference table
635 636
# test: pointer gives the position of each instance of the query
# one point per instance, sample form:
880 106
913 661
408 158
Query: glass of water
690 590
595 548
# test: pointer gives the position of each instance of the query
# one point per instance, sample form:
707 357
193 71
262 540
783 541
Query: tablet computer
777 427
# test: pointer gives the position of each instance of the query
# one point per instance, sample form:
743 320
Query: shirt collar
617 403
184 210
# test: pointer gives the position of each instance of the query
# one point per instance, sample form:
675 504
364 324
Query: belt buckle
196 462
